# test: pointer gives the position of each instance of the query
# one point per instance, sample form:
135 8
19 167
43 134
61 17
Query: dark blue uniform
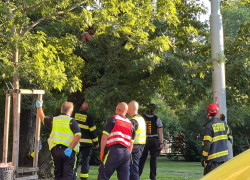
116 158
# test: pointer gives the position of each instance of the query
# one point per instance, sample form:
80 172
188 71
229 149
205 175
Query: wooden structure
16 93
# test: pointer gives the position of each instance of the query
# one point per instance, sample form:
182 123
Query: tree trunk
77 98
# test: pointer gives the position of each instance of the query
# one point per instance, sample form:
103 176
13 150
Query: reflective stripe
105 132
86 140
217 138
93 128
231 137
202 143
205 153
139 140
207 138
120 134
63 117
84 175
83 126
64 134
215 155
122 119
62 140
228 131
118 139
106 157
95 140
140 134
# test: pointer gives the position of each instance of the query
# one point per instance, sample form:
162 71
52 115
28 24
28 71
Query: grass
166 170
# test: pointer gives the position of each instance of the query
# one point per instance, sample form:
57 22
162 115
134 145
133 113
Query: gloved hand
39 103
68 152
101 156
203 163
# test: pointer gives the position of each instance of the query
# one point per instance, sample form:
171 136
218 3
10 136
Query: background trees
143 50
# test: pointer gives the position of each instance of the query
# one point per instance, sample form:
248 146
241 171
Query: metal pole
6 128
217 47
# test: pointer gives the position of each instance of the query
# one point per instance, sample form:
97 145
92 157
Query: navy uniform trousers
152 145
64 165
117 158
134 164
86 153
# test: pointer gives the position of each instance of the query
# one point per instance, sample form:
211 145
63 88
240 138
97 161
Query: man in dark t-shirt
63 140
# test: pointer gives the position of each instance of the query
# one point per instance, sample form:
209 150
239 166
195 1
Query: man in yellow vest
63 140
140 139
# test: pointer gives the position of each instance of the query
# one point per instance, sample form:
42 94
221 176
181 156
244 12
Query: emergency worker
87 35
140 139
63 140
118 136
88 139
214 146
229 139
154 132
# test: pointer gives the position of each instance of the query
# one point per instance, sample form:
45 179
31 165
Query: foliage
236 12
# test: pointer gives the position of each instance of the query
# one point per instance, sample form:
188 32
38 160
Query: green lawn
166 170
169 170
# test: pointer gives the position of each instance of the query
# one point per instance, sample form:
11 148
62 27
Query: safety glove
203 163
68 152
39 103
101 156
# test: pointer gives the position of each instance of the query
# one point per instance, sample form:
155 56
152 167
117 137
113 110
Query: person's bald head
133 107
67 108
121 109
85 107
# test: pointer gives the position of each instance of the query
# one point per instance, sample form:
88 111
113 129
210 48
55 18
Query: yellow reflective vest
61 133
140 133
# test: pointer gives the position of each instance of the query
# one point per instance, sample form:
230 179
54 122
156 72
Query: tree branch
20 29
5 37
33 7
46 17
23 6
73 7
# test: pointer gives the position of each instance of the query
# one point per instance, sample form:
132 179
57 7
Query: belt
59 146
117 146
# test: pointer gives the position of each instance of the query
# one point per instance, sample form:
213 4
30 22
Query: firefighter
118 136
154 132
88 139
140 139
63 140
230 139
214 146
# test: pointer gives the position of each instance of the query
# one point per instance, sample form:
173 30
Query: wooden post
6 128
37 137
16 127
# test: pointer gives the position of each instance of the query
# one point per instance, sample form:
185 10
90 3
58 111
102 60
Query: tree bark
77 98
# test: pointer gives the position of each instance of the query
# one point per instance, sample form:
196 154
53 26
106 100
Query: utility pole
217 50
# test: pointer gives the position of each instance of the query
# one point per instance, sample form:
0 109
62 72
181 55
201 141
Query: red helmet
212 109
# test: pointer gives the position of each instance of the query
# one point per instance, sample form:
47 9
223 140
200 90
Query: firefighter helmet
212 109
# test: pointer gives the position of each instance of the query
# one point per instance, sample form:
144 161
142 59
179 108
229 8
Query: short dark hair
151 108
91 27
